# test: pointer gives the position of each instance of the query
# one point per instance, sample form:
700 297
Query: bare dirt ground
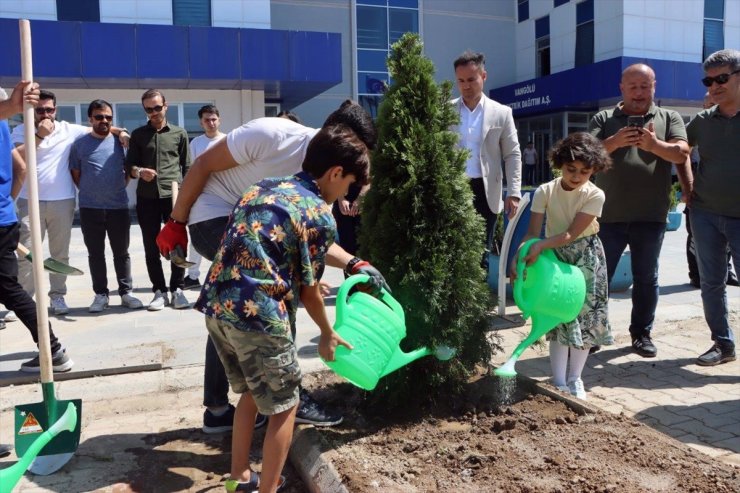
503 440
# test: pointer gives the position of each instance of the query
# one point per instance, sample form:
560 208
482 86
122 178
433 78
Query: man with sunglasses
158 155
643 140
96 163
715 209
53 142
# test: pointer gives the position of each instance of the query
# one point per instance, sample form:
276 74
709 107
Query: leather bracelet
40 137
178 222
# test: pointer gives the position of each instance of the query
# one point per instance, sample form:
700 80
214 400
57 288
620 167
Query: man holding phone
643 140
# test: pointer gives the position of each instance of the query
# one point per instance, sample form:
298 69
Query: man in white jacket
487 130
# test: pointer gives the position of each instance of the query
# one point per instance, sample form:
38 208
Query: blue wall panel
108 50
315 56
56 49
264 54
162 52
214 53
10 62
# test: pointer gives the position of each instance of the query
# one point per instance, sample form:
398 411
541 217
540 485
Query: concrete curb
313 465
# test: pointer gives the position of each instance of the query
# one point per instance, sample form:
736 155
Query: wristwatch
135 171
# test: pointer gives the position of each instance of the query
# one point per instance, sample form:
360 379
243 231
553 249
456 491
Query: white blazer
499 142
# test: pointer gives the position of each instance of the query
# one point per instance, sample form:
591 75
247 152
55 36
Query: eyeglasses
720 79
154 109
100 118
44 111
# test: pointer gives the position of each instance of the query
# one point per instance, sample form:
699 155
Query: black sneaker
311 412
2 324
643 345
5 450
60 362
190 283
221 424
694 281
732 280
717 355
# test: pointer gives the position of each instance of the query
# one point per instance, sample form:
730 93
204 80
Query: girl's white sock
558 362
578 359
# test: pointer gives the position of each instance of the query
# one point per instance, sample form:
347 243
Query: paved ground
699 406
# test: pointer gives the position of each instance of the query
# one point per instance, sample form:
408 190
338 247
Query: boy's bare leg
241 437
275 449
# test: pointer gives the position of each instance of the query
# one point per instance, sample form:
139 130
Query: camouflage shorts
265 365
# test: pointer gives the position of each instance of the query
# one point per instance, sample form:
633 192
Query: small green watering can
552 292
375 328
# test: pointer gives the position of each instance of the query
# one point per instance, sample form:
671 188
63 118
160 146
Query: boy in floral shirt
271 256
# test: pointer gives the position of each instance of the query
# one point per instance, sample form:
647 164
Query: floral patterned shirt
275 242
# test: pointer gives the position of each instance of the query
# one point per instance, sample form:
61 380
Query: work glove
172 235
376 282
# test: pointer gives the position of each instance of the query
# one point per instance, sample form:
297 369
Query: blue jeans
712 234
645 240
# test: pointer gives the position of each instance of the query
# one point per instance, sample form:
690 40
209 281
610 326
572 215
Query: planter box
622 279
493 261
674 221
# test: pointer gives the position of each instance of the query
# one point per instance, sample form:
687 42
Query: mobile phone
636 121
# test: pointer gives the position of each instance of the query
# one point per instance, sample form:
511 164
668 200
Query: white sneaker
577 389
10 316
179 301
131 301
99 304
58 306
563 388
159 301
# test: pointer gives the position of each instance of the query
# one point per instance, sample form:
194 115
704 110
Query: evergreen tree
420 229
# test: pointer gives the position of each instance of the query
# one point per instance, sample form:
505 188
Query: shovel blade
53 265
31 420
49 464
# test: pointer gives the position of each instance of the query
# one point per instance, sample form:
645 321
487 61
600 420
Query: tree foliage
420 229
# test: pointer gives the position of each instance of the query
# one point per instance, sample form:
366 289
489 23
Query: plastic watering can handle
351 282
521 266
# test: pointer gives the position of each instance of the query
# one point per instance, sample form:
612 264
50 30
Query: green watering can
552 292
375 328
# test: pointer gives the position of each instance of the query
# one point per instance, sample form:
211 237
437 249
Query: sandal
252 486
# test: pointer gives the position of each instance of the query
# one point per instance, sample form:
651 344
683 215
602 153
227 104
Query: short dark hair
98 104
151 93
290 116
358 119
45 95
583 147
468 56
338 145
208 108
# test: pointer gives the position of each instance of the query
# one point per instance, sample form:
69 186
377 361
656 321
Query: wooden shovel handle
22 250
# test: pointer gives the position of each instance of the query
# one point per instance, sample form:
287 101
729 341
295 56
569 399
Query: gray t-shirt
102 172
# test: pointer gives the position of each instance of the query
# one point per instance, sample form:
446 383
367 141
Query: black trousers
116 224
152 213
12 294
480 202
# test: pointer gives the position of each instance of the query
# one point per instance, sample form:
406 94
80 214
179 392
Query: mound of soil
499 439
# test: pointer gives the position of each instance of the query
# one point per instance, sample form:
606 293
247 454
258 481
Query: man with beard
96 162
159 154
643 140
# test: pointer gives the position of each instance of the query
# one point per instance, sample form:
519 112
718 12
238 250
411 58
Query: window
522 10
558 3
191 12
78 10
380 23
714 27
542 37
585 33
272 109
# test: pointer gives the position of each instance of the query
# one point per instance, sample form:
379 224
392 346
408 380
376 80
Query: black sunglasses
100 118
720 79
153 109
44 111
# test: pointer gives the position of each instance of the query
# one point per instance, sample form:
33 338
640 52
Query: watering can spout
400 358
541 325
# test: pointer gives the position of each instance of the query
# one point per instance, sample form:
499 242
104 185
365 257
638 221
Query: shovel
33 420
50 264
177 256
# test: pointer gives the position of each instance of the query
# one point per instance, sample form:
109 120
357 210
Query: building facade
555 62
